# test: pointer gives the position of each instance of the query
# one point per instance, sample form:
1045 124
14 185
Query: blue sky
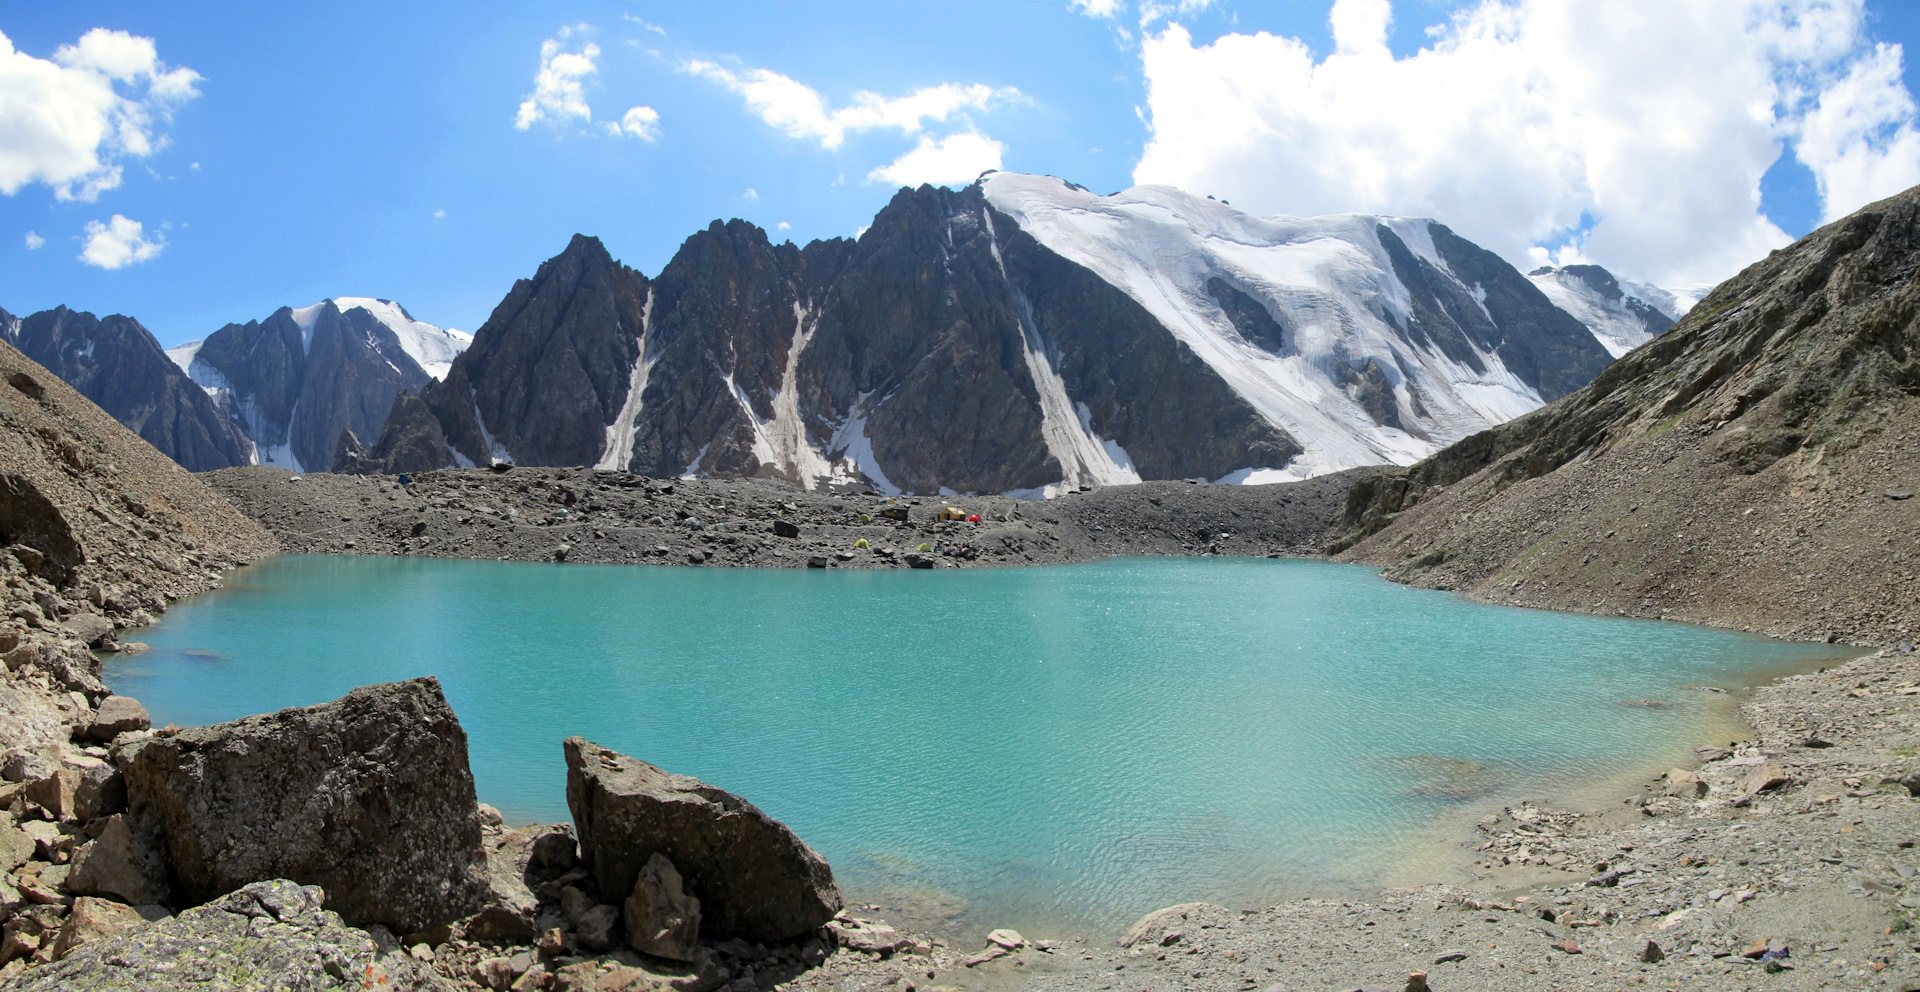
371 148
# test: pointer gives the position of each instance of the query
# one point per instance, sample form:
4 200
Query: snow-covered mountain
299 381
1622 313
1022 334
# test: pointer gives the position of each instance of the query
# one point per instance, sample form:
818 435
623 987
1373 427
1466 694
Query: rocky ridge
117 363
303 381
1751 468
999 339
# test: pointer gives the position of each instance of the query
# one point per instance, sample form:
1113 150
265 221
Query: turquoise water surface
1052 747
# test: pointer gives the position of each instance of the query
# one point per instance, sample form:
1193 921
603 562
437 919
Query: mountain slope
1017 335
1621 313
119 365
299 379
1751 467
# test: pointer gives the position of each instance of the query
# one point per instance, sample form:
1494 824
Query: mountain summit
295 382
1018 335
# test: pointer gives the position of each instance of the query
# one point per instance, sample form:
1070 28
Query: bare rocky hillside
1751 468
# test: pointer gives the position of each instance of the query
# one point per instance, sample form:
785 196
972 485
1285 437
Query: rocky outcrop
119 365
1746 468
753 877
271 934
299 381
369 796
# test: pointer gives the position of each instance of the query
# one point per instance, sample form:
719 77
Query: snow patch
618 452
1329 278
432 348
1614 324
183 355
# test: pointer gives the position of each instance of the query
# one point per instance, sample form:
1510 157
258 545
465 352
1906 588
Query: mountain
1017 335
119 365
1752 467
297 381
1622 314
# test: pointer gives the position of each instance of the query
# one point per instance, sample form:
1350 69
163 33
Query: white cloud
1099 8
956 158
118 243
801 112
783 226
750 194
639 122
1859 138
558 95
35 242
65 121
439 213
649 25
1633 132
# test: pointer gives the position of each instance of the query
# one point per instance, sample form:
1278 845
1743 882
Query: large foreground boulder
753 877
368 796
267 935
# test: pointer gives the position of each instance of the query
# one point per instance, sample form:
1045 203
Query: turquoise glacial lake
1058 749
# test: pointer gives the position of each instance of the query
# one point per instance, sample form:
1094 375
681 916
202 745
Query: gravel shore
1800 839
584 515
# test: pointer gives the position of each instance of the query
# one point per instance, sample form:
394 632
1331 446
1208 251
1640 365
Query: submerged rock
369 796
270 934
753 877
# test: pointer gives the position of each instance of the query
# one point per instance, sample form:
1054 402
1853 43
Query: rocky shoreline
591 516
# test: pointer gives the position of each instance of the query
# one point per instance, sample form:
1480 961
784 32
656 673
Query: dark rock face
1609 288
549 369
369 796
268 934
117 364
412 441
295 391
753 878
1540 343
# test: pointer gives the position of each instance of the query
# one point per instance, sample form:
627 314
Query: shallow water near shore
1058 749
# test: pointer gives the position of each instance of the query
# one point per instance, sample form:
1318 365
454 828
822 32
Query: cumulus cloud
1099 8
118 243
1633 133
638 122
956 158
801 112
35 242
558 93
66 121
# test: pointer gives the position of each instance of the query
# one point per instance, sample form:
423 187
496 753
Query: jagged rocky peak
1017 335
548 371
118 364
296 380
1623 314
9 327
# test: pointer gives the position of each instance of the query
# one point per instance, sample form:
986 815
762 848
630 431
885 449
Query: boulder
54 793
97 919
122 864
28 517
116 716
102 791
90 629
785 528
16 847
594 928
1762 777
511 905
662 920
268 933
1685 784
369 796
753 877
